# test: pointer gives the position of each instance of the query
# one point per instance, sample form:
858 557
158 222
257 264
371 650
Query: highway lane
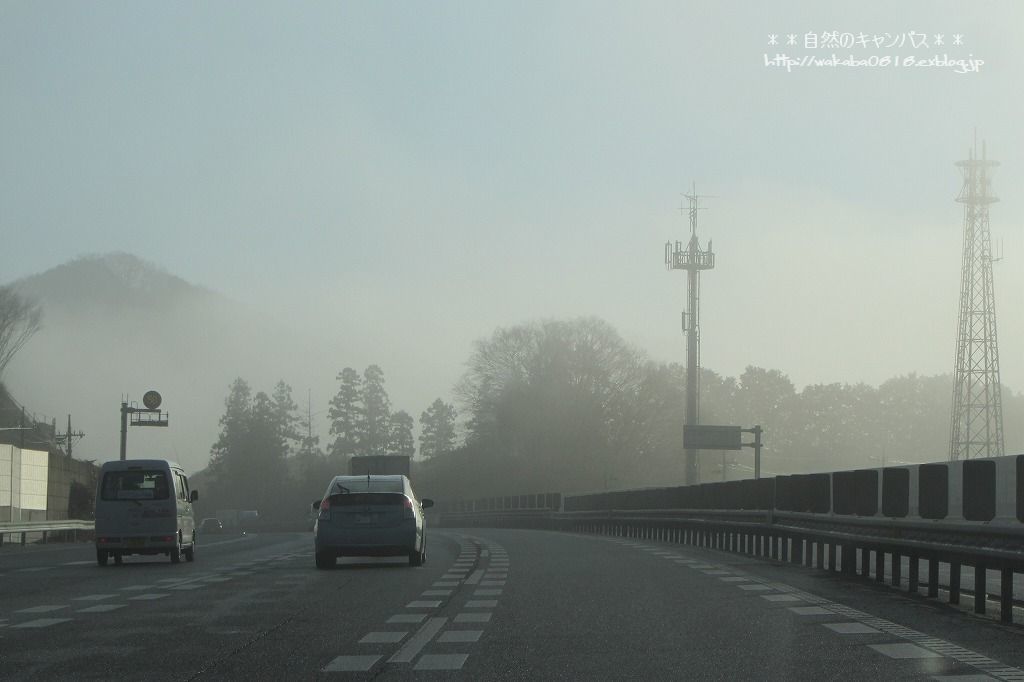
489 604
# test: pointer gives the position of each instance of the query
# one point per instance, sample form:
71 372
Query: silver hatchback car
373 515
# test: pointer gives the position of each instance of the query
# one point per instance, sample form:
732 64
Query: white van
144 506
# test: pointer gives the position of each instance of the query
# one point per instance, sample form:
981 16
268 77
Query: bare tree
20 318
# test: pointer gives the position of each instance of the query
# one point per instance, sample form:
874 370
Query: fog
386 183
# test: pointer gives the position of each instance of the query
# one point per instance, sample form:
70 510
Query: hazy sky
397 179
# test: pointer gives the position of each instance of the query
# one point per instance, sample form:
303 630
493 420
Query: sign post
706 437
150 415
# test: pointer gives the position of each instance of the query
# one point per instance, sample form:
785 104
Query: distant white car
144 506
374 515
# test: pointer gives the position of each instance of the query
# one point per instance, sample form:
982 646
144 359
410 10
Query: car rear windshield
368 499
135 485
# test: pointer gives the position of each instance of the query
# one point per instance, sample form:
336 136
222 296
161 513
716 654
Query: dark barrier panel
933 491
1020 487
866 486
844 492
812 493
979 490
896 492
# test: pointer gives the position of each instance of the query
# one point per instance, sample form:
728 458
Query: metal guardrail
24 528
830 542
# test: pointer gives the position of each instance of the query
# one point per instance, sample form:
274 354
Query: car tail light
325 507
407 504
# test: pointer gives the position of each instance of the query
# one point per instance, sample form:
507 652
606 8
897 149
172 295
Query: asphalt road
489 604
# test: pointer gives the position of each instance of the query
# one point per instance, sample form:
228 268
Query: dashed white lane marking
94 597
475 577
423 604
188 586
407 618
441 662
446 583
487 593
148 597
781 597
134 588
415 645
43 609
41 623
736 579
436 593
811 611
387 637
78 563
351 664
472 618
34 569
102 608
460 636
904 650
481 603
851 628
755 587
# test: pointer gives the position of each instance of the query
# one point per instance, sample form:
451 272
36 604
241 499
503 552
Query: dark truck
379 464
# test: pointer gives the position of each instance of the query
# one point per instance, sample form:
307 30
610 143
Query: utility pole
692 259
67 438
977 416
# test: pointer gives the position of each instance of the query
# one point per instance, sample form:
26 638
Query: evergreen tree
346 414
286 417
376 413
227 454
438 429
401 441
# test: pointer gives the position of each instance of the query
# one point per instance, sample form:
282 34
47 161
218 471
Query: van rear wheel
190 553
176 554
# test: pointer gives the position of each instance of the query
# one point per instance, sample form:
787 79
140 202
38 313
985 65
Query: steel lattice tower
977 419
693 259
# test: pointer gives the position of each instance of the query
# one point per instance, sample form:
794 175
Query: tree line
569 406
268 456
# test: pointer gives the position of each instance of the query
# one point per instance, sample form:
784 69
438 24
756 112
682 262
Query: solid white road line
441 662
351 664
102 608
387 637
41 623
415 645
43 609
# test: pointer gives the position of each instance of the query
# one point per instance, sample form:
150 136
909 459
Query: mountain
114 326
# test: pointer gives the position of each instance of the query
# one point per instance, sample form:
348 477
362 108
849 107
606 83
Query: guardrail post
23 534
849 560
933 577
897 568
954 582
865 562
913 580
880 565
1006 594
832 563
980 593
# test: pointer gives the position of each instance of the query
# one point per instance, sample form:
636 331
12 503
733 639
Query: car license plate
136 542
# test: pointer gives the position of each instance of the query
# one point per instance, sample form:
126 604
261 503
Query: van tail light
407 504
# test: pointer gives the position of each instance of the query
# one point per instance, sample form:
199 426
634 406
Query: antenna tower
977 419
692 259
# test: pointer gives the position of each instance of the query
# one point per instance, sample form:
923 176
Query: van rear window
135 485
367 499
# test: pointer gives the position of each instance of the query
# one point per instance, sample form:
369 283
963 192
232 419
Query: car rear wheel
324 560
418 558
101 557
